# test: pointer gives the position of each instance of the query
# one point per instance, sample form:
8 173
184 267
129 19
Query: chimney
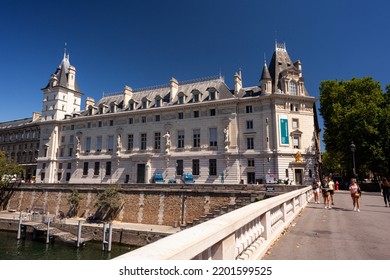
89 102
127 95
237 82
35 116
174 88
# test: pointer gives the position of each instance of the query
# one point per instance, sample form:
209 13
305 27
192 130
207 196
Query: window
292 87
111 122
100 124
72 127
130 120
144 104
195 167
179 167
70 152
96 170
294 107
61 152
108 168
69 165
131 106
296 141
251 177
249 109
212 95
130 141
196 97
286 173
212 167
110 143
180 115
249 124
112 108
196 138
157 140
88 144
212 112
251 162
249 143
158 102
213 136
196 114
180 139
143 119
181 99
143 141
59 176
85 169
157 118
71 139
295 123
89 125
99 144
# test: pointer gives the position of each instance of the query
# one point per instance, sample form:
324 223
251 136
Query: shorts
331 192
325 194
316 190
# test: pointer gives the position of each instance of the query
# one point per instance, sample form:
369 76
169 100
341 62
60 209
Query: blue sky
145 43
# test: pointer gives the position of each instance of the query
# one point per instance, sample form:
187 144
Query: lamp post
353 149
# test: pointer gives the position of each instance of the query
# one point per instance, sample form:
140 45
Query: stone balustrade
245 233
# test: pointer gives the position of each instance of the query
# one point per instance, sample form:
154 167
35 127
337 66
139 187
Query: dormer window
101 109
212 93
158 101
112 108
181 98
293 88
90 111
131 105
144 103
196 97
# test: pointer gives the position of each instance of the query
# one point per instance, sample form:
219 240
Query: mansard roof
15 123
187 88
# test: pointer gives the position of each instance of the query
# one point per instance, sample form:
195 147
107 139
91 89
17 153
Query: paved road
338 233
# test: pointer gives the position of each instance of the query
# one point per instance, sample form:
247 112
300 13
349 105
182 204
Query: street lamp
353 149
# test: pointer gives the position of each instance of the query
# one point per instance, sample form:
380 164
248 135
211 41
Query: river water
29 249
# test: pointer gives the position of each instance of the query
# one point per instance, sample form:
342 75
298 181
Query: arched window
293 88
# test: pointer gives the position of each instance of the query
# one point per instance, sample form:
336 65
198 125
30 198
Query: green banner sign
284 130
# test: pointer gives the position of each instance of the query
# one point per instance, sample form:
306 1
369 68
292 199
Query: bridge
288 226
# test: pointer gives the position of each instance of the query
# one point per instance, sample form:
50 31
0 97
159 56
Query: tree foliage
74 200
356 110
109 202
8 171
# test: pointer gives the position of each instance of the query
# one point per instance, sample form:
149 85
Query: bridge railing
245 233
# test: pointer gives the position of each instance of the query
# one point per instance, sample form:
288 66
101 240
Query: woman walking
386 191
355 194
316 191
325 193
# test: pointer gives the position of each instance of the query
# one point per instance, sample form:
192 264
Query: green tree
74 202
109 202
353 111
8 180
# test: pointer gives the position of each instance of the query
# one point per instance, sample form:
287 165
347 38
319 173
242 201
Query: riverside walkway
338 233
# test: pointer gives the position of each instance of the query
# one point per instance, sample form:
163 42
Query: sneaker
326 207
354 209
358 210
330 207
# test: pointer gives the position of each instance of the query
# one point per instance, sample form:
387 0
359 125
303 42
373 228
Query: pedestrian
316 191
337 185
331 190
355 194
386 191
325 193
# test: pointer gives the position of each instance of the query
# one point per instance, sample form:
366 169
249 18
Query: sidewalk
338 233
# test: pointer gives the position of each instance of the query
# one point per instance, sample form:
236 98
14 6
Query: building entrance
298 176
141 167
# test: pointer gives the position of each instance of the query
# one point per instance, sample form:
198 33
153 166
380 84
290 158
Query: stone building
20 140
247 134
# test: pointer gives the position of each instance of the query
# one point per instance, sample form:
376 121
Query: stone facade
171 206
248 134
19 139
